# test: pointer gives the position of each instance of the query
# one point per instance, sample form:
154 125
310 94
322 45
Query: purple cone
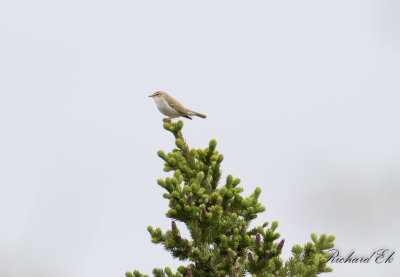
280 245
250 256
266 257
258 239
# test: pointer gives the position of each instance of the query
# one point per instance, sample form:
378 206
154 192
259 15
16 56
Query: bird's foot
167 119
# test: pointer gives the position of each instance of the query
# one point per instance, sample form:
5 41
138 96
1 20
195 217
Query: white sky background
302 97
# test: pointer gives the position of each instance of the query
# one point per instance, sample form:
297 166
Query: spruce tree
221 242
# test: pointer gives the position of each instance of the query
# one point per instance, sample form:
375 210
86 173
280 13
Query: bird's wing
175 105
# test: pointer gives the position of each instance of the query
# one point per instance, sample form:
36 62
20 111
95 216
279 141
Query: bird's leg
167 119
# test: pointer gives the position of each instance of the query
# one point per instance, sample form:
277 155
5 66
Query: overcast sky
302 96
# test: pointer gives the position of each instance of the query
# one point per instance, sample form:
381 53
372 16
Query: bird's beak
151 95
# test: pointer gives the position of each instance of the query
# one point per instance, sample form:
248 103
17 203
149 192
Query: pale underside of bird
171 107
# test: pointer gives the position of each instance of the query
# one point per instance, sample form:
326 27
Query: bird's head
157 94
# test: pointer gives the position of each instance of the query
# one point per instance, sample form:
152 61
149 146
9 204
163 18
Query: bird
171 107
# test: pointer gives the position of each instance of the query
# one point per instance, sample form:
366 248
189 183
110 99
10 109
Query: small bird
172 108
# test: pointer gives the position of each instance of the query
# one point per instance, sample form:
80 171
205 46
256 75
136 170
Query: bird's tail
197 114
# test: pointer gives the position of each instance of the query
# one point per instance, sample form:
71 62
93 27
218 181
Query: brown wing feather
176 105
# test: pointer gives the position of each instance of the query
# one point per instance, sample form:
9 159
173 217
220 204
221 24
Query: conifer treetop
218 218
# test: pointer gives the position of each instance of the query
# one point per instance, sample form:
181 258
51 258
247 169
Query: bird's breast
165 109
